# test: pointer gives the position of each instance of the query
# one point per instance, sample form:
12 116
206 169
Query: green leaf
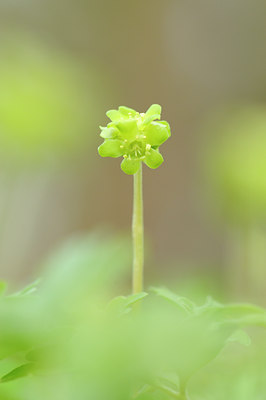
117 305
19 372
210 304
39 353
168 388
156 133
128 129
153 159
111 148
234 315
134 298
238 311
28 290
241 337
127 112
113 115
182 302
155 109
142 391
130 166
249 320
122 305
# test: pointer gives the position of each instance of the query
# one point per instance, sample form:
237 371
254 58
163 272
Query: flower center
136 149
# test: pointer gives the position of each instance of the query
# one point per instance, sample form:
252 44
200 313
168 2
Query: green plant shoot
137 137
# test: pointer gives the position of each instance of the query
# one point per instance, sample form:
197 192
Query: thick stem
138 233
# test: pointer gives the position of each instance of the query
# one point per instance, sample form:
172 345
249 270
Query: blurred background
63 64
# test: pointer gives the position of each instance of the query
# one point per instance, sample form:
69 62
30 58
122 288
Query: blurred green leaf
182 302
28 290
122 304
19 372
84 266
45 102
258 320
241 337
242 314
235 163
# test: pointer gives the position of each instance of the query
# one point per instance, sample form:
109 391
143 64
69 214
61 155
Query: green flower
135 136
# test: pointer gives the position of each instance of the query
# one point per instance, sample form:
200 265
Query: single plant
137 137
69 344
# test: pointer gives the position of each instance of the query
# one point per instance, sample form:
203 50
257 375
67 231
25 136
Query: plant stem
138 233
183 392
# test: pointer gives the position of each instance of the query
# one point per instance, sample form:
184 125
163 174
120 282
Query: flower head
135 136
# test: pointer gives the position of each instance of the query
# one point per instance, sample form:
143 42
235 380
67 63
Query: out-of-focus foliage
47 105
64 341
235 162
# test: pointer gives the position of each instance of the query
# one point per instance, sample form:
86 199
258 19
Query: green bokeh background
63 64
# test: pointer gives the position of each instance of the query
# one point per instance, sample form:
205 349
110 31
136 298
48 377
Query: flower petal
167 126
153 159
155 109
114 115
127 112
157 133
108 133
130 166
128 128
111 148
150 118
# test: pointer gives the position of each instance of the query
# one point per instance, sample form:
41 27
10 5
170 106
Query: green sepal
149 118
153 159
167 126
128 128
129 166
108 133
111 148
156 133
155 109
153 113
113 115
127 112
